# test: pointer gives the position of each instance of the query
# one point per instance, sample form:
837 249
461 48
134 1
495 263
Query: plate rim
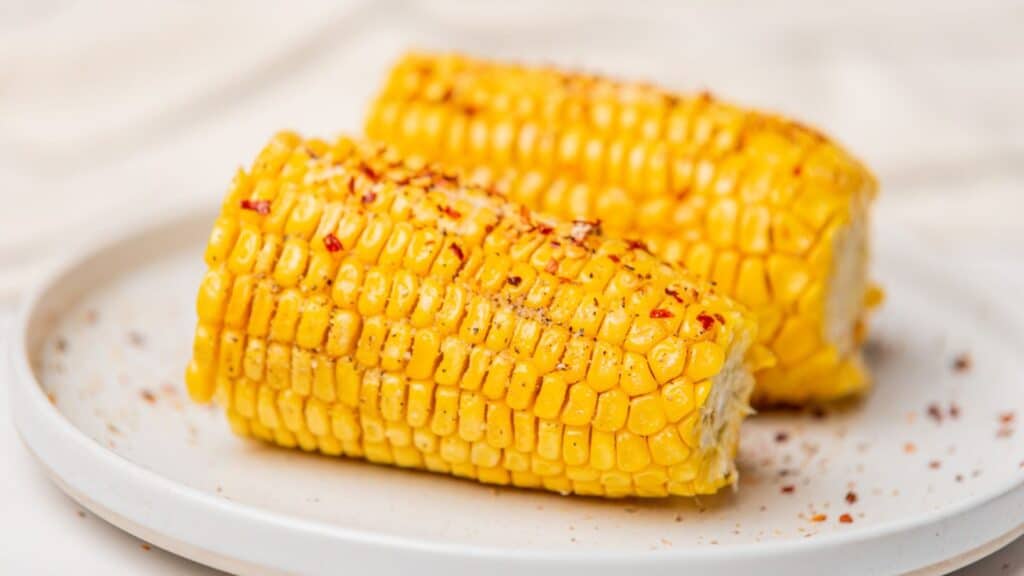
29 401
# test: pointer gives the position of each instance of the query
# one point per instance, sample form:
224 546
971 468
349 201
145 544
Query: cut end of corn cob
771 211
363 305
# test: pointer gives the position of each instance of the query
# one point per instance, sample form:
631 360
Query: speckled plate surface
923 476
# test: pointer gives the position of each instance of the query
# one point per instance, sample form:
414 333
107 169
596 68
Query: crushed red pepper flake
136 339
935 464
909 448
819 518
1004 433
614 258
368 197
674 294
515 280
781 437
851 497
846 519
962 363
954 411
551 267
1007 417
332 243
261 207
451 212
661 313
706 321
934 412
788 489
148 396
146 547
634 244
457 250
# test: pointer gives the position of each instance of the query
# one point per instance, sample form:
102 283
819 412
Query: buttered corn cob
359 304
772 212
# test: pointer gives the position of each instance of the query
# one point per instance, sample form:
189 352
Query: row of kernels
643 168
492 467
609 107
286 315
451 361
455 431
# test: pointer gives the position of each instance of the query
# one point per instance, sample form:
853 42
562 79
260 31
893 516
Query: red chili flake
781 437
962 363
954 411
261 207
146 547
458 251
797 170
451 212
934 412
544 229
555 244
851 497
661 313
515 280
332 243
551 267
489 228
148 396
819 518
674 294
369 196
846 519
909 448
706 321
935 464
614 258
636 245
788 489
1007 418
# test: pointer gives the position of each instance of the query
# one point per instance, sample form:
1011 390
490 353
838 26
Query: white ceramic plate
934 457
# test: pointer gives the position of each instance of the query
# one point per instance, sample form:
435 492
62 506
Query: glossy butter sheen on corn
359 304
772 212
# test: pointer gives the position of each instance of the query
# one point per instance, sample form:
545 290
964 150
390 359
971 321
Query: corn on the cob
772 212
359 304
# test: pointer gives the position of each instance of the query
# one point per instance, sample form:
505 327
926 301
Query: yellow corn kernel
636 375
631 453
705 360
678 398
646 415
549 401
